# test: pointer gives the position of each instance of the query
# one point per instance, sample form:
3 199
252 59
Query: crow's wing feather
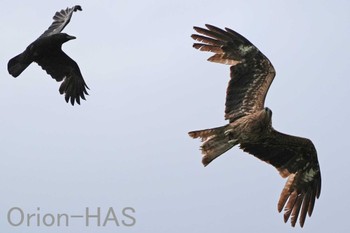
61 19
61 67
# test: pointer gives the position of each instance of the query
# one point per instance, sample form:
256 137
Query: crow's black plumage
47 52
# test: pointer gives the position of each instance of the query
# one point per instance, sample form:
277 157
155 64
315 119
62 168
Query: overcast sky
127 145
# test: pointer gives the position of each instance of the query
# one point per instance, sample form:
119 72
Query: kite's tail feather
216 141
18 64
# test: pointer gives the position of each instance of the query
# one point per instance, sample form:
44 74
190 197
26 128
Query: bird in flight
47 52
250 123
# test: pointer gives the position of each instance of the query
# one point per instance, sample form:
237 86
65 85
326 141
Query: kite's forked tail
216 141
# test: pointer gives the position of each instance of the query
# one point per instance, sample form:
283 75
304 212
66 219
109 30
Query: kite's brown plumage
250 122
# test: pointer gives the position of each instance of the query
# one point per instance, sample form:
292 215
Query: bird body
37 50
47 52
244 129
250 122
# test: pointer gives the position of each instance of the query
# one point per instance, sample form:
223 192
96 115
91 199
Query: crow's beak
71 37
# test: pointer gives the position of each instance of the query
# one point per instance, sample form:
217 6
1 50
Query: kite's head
268 115
268 112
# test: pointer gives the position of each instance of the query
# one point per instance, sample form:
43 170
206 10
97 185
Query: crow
47 52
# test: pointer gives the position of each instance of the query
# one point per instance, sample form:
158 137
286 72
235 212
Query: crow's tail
17 64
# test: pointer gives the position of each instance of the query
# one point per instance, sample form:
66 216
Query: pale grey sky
127 145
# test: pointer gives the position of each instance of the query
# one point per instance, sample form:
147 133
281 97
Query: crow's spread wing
61 67
61 19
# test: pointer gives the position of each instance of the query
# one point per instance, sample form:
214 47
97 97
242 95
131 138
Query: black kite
250 122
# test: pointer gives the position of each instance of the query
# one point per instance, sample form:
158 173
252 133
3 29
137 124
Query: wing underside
62 68
251 72
295 158
61 19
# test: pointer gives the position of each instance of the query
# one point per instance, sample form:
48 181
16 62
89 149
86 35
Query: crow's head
62 37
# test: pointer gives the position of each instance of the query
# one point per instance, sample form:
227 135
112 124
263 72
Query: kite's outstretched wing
295 158
251 71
